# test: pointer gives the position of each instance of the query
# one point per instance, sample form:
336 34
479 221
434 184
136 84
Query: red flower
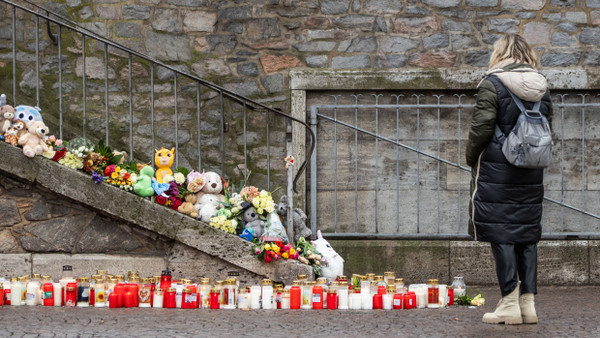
126 176
175 202
268 259
59 154
161 200
109 170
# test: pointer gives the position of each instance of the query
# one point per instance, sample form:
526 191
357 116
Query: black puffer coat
506 201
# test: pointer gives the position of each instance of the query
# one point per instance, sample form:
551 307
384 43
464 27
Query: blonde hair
513 48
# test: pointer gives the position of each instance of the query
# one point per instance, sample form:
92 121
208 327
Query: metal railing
104 105
391 180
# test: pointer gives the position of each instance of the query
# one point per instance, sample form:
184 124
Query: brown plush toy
188 207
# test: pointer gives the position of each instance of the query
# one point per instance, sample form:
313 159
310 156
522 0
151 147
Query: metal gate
390 165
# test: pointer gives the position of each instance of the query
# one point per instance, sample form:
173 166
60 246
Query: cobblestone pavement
563 311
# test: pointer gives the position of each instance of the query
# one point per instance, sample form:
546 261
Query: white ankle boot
508 310
528 309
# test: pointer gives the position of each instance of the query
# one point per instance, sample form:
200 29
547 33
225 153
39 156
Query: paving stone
211 67
417 10
164 73
95 68
272 63
432 59
592 3
552 16
526 15
168 134
167 47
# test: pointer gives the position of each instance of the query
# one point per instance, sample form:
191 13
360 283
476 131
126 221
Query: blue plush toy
28 114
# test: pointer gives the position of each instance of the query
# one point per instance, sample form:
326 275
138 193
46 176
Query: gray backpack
529 143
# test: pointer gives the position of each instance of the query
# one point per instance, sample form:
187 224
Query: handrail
232 95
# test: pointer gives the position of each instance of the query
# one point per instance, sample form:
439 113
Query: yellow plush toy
164 160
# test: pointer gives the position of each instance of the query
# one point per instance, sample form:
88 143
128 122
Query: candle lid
341 278
156 278
1 285
389 273
102 272
166 272
186 281
302 276
171 290
230 282
219 282
363 278
332 291
158 289
134 279
37 275
13 279
391 289
370 275
213 290
322 280
145 281
204 281
187 291
399 280
296 283
266 282
378 278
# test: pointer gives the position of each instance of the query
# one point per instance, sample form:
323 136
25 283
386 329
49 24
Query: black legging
516 262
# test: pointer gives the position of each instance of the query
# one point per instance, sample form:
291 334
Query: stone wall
53 215
250 46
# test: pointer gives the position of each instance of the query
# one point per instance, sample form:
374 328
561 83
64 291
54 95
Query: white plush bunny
334 263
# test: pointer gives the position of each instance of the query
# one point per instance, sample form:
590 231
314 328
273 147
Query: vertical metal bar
377 162
245 116
313 172
130 109
14 53
459 96
418 96
290 182
222 144
583 181
335 163
152 110
60 98
106 103
37 61
355 162
176 121
397 205
438 164
83 75
562 161
198 126
268 152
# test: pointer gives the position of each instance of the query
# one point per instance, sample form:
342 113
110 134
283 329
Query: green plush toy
143 185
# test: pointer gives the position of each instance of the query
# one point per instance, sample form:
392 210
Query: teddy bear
28 114
213 186
300 228
188 207
207 206
7 114
251 220
33 142
11 136
164 160
20 127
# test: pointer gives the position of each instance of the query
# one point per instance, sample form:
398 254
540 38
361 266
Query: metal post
106 103
176 122
37 61
60 98
290 182
313 173
130 109
83 75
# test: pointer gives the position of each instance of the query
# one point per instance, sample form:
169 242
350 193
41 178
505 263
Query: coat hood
522 80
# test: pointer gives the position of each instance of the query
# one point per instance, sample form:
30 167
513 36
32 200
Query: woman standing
506 201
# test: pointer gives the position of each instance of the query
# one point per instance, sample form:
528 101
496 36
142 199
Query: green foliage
107 152
185 171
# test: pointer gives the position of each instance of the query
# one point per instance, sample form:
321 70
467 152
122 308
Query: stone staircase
53 215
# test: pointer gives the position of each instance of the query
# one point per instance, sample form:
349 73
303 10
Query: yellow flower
275 248
285 255
117 169
268 247
292 251
115 174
